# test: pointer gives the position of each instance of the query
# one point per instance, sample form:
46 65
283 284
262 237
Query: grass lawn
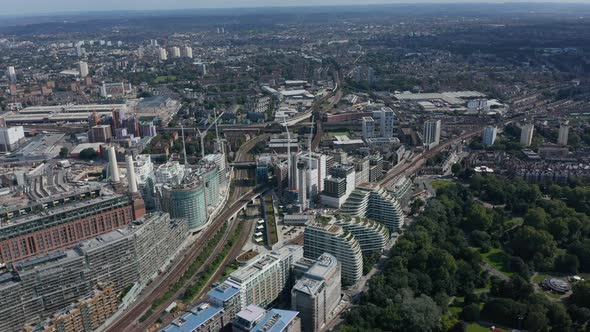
161 79
542 276
438 184
455 310
498 259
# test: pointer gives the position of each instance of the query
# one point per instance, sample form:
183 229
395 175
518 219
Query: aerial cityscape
327 167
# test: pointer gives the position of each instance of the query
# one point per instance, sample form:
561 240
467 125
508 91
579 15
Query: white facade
163 54
176 52
188 51
10 137
83 66
387 122
564 130
526 134
431 133
368 127
489 135
11 73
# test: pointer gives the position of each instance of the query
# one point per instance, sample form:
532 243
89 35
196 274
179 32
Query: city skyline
39 7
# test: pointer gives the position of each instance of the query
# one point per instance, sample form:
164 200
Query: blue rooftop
193 319
275 321
223 292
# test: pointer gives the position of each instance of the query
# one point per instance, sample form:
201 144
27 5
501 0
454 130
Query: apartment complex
317 293
371 235
266 278
88 314
431 133
371 201
320 238
526 134
40 286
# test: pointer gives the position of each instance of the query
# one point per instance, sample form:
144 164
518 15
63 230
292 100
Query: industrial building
60 113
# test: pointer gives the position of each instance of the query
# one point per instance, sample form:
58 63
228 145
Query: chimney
131 175
113 168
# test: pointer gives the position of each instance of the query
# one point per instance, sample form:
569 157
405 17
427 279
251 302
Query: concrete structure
226 296
188 51
371 201
387 122
317 294
340 176
247 318
489 135
11 138
431 133
563 135
113 167
277 320
368 127
526 134
11 73
176 52
163 54
62 113
320 238
362 169
136 253
263 280
83 67
101 134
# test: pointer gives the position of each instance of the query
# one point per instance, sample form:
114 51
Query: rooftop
223 292
275 321
193 319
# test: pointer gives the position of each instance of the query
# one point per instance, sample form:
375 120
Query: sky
26 7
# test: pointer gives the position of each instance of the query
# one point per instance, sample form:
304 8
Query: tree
471 312
567 263
420 314
456 168
529 241
536 319
581 294
64 152
88 154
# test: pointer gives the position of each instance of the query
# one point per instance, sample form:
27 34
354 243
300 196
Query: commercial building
431 133
317 294
43 227
61 113
38 287
563 134
368 127
338 185
11 138
101 134
362 169
320 238
489 135
373 202
266 278
526 134
88 314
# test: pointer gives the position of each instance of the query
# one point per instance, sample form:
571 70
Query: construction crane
202 134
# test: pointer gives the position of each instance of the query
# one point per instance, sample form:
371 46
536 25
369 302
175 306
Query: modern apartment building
265 279
38 287
87 314
316 295
489 135
373 202
371 235
320 238
431 133
387 122
368 127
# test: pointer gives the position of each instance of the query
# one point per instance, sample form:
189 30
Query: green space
542 276
479 327
163 79
439 184
271 223
498 259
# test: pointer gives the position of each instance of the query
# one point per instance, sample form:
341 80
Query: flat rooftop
276 321
195 318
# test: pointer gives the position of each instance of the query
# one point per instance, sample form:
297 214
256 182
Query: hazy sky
18 7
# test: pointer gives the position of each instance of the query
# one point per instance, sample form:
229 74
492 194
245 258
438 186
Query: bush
471 312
